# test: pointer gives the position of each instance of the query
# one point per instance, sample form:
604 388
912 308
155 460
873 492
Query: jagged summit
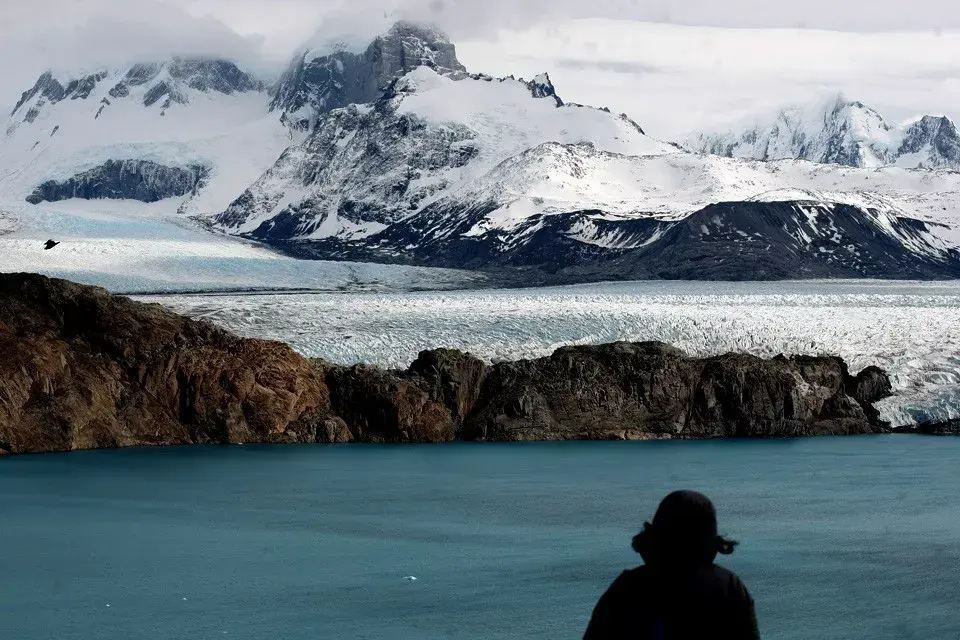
839 131
165 83
319 80
542 87
933 141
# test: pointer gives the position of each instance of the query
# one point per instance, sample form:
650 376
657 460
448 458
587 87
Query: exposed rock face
781 240
51 90
378 406
453 377
361 169
542 87
82 369
652 390
870 385
724 241
315 84
124 179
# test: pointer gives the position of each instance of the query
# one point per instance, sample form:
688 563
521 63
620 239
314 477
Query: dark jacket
708 603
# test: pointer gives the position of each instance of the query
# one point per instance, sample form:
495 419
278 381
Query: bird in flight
49 244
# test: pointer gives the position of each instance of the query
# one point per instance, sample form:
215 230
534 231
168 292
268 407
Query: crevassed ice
910 329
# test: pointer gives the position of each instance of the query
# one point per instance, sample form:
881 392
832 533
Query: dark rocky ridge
724 241
51 90
82 369
141 180
773 241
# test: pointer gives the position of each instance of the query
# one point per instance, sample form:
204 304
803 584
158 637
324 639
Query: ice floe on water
910 329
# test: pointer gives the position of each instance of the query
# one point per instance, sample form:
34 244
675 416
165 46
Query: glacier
128 246
911 329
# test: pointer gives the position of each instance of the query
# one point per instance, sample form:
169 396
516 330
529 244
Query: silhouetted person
678 593
49 244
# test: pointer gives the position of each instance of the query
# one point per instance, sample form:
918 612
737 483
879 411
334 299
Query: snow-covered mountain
485 172
429 136
391 151
191 130
840 131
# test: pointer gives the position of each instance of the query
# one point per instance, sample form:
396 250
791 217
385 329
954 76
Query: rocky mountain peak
316 84
172 79
542 87
165 82
48 89
854 115
935 140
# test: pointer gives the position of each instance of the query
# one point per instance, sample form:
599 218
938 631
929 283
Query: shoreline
86 369
897 432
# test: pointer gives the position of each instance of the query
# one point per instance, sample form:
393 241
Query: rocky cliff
318 81
82 369
141 180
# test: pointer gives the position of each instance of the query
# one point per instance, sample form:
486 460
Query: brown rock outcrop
652 390
82 369
378 406
452 377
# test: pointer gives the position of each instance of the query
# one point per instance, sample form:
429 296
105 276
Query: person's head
683 532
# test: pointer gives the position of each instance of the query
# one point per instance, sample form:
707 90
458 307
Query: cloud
614 66
669 77
675 79
71 32
466 18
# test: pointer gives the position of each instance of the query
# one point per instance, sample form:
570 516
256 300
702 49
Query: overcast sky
647 78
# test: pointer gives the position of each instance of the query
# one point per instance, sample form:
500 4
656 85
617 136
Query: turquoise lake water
841 538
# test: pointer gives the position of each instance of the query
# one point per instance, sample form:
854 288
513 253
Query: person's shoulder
631 579
637 574
732 585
